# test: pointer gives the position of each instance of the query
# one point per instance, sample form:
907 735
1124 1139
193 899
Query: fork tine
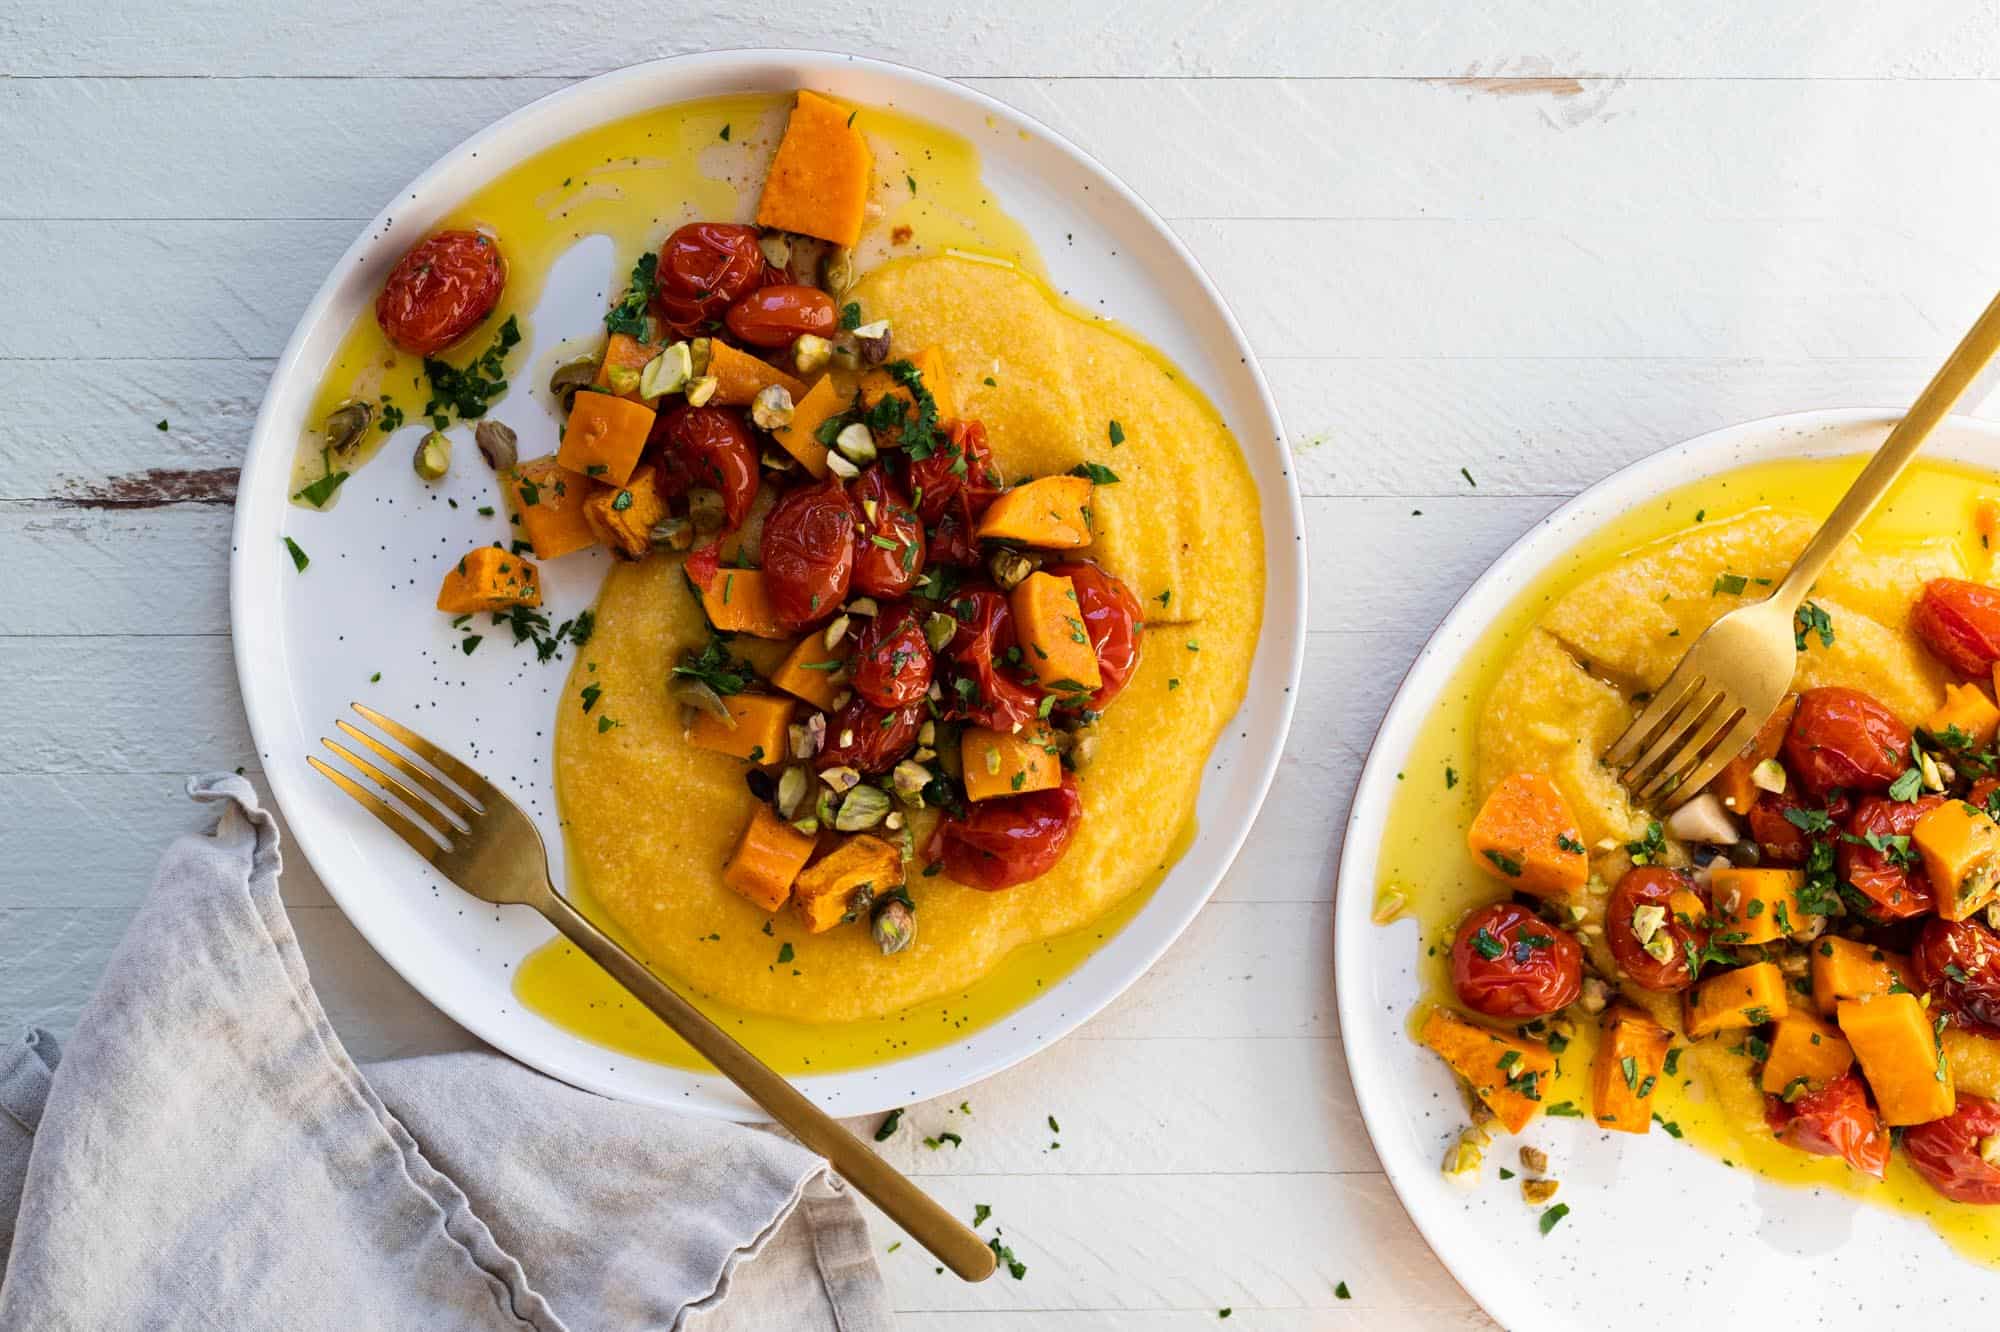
402 827
1665 703
426 813
1671 737
1673 773
455 803
1739 735
468 780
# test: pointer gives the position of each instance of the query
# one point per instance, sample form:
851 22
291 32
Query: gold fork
481 841
1736 674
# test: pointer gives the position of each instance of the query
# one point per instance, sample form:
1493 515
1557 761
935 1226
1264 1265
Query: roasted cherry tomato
704 267
1946 1151
1960 623
708 446
962 464
867 738
889 547
1685 931
1112 617
1508 962
980 689
1892 878
777 316
1836 1120
1842 737
808 555
999 843
892 660
1779 840
1981 793
440 290
1957 962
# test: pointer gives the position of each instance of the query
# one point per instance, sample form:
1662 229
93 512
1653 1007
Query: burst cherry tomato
1685 929
1000 843
1507 962
704 267
708 446
440 290
1781 840
778 316
808 555
1960 623
891 569
980 689
963 464
892 660
1957 962
1836 1120
1946 1151
1842 737
867 738
1893 878
1112 617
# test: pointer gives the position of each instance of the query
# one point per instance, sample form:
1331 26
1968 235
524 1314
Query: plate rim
254 635
1694 458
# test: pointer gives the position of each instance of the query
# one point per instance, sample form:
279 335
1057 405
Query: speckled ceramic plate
307 645
1658 1235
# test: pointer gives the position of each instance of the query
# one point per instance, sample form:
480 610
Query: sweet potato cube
1755 906
737 601
1051 512
1960 845
813 672
818 182
1968 711
1899 1055
622 517
740 377
1625 1072
933 372
1845 969
1526 836
623 352
1506 1072
1049 622
767 859
1806 1051
489 579
822 402
759 731
605 437
1745 997
839 886
1001 763
548 503
1732 786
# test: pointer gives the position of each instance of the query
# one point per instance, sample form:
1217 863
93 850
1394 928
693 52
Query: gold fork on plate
1736 674
480 840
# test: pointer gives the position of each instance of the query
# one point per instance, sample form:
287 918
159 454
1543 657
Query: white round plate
1658 1234
308 644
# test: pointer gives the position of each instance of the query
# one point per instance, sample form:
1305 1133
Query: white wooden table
1532 245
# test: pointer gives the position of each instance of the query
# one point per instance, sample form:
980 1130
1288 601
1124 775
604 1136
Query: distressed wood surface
1532 245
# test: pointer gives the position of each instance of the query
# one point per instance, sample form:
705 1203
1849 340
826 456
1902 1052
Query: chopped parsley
887 1128
980 1211
1116 434
1811 619
320 491
469 392
1340 1292
785 953
850 316
1553 1215
299 558
1731 584
1015 1267
590 695
1563 840
1099 474
1487 946
1651 847
160 425
629 315
1506 864
1907 787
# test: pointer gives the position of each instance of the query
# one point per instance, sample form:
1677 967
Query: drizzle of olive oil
1423 846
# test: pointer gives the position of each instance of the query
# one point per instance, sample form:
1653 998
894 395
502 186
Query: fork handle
951 1240
1974 350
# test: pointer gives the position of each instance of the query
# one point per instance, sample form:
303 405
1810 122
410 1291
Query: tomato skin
1960 623
1112 618
1957 962
1836 1120
440 289
1537 970
707 446
952 488
1001 843
704 266
875 738
1651 885
1946 1151
984 635
808 552
1781 841
778 316
877 571
892 659
1842 737
1898 891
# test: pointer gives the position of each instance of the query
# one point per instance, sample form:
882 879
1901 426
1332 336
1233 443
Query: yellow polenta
649 820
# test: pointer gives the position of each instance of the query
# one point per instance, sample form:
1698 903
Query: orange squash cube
1806 1051
737 601
767 859
1960 845
1000 763
1898 1051
489 579
813 672
1051 512
1626 1070
548 504
624 353
1049 622
740 377
622 517
818 182
1969 712
1732 785
840 886
1745 997
1845 969
759 731
1506 1072
1526 836
1755 906
933 372
822 402
605 437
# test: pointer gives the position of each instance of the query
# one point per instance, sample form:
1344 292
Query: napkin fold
204 1153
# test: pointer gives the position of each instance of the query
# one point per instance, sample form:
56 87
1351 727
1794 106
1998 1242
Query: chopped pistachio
846 356
346 424
1596 994
1646 921
621 379
793 784
706 509
809 825
836 270
1009 568
841 468
895 820
1989 1149
927 733
808 737
863 808
673 534
894 926
433 456
1934 772
836 630
910 778
1083 749
872 340
992 761
864 606
571 376
938 630
811 353
856 443
1703 819
700 697
1389 904
1769 775
700 350
1534 1159
669 372
1464 1156
777 248
497 444
701 388
841 778
771 409
1535 1192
